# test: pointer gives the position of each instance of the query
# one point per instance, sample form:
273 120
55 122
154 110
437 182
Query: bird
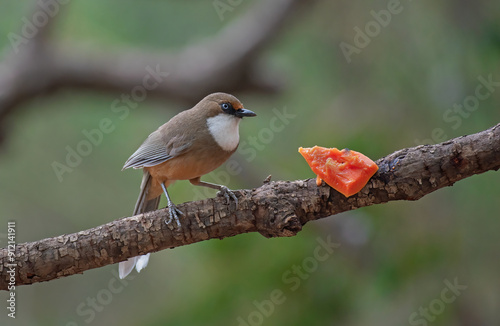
191 144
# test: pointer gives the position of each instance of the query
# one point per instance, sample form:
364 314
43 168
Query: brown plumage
191 144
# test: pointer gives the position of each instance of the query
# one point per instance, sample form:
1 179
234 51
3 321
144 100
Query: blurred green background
393 263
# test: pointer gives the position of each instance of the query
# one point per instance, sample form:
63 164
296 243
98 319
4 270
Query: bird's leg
223 190
172 210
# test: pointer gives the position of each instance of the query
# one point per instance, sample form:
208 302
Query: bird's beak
244 113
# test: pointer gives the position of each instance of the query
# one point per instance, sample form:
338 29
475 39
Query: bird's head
223 103
224 113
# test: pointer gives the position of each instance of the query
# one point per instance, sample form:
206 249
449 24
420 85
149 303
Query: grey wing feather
155 151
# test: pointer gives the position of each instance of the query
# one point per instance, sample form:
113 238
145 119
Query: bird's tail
142 206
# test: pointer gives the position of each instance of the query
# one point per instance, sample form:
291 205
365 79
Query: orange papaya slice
346 171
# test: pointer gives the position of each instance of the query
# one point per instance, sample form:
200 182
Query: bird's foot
228 194
173 213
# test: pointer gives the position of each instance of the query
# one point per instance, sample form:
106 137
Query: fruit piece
346 171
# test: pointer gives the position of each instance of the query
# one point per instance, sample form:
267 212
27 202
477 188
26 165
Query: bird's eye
226 107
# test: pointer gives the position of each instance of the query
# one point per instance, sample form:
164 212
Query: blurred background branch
228 61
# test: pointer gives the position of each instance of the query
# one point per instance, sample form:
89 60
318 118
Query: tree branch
227 61
275 209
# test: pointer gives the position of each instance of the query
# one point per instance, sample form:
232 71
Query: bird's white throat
225 130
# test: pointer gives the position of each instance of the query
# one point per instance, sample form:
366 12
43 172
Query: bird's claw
173 214
227 193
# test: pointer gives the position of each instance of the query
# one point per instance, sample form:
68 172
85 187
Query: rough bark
275 209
